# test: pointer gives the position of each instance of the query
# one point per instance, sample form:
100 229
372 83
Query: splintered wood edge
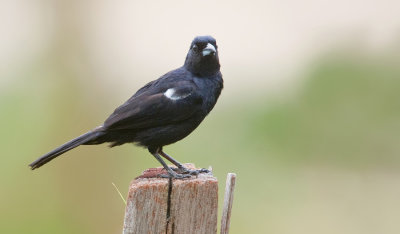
156 172
228 201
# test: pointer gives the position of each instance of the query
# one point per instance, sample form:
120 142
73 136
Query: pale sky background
127 43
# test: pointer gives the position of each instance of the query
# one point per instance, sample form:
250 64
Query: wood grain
228 201
158 205
146 207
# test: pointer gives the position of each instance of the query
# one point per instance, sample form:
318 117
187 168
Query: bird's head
202 58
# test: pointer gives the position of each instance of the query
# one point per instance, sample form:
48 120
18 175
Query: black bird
162 112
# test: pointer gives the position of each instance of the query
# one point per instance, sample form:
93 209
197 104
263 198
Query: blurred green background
309 118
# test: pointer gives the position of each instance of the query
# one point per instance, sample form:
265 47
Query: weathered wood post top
159 205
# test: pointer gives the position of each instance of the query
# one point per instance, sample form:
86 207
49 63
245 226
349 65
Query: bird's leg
172 160
171 173
181 168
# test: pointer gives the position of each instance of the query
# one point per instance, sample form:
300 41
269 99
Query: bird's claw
184 170
203 170
174 175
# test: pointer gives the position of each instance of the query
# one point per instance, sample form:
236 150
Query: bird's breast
209 90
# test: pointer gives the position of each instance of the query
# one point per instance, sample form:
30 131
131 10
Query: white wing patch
171 94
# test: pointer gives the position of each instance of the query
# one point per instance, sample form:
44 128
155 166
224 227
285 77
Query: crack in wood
159 205
170 183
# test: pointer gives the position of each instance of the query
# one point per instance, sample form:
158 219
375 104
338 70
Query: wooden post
157 205
228 201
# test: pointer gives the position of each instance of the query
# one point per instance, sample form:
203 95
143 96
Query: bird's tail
85 138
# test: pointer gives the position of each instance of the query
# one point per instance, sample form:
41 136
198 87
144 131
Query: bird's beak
210 49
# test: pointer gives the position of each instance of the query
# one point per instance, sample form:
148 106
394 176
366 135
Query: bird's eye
195 48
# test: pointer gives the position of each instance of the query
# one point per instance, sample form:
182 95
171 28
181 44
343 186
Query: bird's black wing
156 106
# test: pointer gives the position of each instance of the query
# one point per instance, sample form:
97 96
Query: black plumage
162 112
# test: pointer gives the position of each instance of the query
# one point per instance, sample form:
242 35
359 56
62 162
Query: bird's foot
184 170
172 174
